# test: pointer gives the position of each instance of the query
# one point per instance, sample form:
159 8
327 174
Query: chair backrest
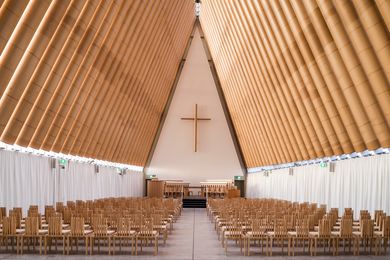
96 220
386 227
77 226
16 213
311 221
280 229
124 226
324 227
3 211
367 228
346 227
67 215
364 214
71 204
49 211
32 226
59 207
157 219
9 226
377 215
55 225
302 228
32 211
348 211
101 227
259 226
147 227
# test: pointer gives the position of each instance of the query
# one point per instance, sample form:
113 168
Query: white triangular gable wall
174 157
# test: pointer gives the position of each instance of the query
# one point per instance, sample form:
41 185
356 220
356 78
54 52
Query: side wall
362 183
27 179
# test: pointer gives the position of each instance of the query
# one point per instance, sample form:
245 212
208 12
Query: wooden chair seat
254 234
147 234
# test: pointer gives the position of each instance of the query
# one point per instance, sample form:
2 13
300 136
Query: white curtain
362 183
27 179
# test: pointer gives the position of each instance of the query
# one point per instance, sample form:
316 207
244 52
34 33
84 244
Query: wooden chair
323 235
344 234
148 234
77 232
100 232
301 234
10 233
366 236
160 226
278 235
124 233
233 231
55 231
32 234
258 233
384 234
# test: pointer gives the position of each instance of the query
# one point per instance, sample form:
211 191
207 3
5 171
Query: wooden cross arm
191 118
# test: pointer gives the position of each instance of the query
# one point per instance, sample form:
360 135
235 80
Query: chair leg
136 246
86 245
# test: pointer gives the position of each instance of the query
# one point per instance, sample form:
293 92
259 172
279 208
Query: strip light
353 155
17 148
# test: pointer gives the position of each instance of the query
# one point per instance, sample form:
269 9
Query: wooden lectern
156 189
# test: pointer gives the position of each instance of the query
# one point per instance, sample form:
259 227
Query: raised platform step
194 202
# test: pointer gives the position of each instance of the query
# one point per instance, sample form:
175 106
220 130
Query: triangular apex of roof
173 146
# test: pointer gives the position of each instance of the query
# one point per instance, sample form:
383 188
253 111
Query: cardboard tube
20 39
10 13
104 147
65 93
77 19
358 77
103 63
92 123
253 94
384 7
94 39
376 31
27 68
365 52
299 45
143 107
297 67
257 153
307 39
301 99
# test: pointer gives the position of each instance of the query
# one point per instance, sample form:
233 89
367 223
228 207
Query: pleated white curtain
362 183
27 179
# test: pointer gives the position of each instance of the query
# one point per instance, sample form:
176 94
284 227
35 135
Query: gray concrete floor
193 237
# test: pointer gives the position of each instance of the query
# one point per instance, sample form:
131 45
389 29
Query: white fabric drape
27 179
362 183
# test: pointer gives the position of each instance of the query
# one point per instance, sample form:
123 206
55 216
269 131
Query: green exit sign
323 165
239 178
63 162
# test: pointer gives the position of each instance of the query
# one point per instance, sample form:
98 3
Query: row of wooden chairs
215 190
287 225
131 221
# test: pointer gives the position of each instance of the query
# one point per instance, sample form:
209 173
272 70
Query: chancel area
206 129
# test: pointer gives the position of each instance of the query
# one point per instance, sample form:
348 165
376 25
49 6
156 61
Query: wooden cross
195 119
